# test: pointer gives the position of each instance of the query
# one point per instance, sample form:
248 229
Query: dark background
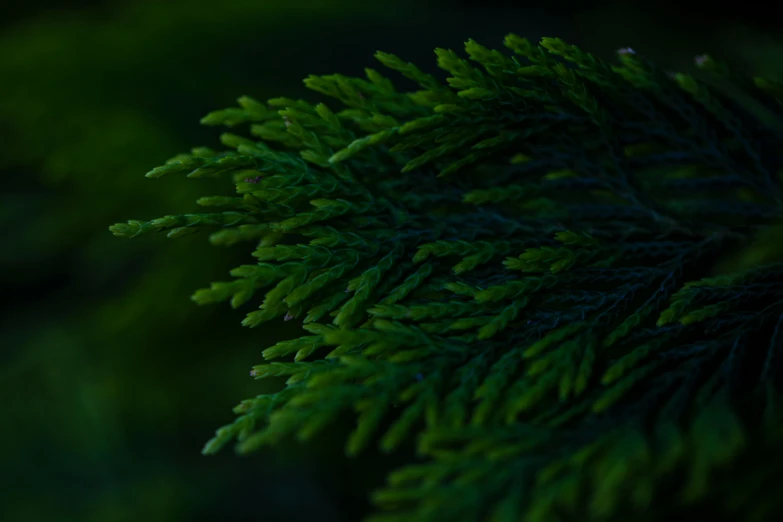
111 379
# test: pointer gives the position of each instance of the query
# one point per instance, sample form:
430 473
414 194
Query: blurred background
111 379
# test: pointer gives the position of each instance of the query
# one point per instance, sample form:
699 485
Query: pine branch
515 268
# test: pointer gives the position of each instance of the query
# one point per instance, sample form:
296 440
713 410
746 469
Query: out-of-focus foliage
674 35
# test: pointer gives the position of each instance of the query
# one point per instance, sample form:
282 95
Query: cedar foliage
517 269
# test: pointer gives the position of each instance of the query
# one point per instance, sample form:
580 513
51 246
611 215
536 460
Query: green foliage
111 364
516 270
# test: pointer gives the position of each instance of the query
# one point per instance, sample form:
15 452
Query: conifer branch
514 269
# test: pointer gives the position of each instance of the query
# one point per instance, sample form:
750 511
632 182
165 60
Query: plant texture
562 277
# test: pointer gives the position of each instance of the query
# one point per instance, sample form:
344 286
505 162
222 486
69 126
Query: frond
516 268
